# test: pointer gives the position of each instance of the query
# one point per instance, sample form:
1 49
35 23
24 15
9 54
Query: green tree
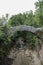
16 20
39 12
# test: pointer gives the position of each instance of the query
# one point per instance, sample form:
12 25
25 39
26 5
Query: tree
16 20
22 19
39 12
28 18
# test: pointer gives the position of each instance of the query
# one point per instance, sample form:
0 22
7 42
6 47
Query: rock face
27 57
41 53
34 58
23 57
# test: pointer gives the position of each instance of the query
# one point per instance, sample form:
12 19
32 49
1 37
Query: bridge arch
36 31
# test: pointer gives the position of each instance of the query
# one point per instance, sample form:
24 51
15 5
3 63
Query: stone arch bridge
36 31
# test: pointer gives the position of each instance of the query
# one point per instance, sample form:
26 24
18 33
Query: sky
16 6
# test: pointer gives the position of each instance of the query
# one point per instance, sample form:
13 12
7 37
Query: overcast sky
16 6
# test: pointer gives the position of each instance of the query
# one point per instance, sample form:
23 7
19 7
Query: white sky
16 6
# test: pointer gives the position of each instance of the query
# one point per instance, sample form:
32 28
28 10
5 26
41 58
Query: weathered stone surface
25 28
31 29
